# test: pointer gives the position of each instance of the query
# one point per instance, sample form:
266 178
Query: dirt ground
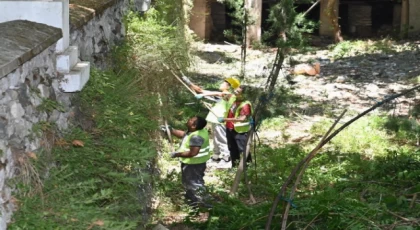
354 83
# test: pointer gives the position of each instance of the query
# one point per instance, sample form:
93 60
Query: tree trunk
333 16
254 8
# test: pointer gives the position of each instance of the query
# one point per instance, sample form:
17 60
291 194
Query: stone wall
95 32
28 55
30 78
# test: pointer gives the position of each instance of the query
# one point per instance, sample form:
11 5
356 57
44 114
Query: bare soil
354 83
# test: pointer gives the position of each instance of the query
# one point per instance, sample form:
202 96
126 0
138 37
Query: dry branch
320 145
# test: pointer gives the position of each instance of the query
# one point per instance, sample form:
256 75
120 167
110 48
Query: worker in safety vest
238 123
221 152
194 152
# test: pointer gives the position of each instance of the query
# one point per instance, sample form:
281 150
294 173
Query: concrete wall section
21 41
142 5
200 20
414 16
45 12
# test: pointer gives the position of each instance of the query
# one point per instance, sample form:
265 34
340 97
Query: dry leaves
78 143
96 223
32 155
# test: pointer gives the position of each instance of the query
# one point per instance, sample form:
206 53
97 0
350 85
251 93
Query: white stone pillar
50 12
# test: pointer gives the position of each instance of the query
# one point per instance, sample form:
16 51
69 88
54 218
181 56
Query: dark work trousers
237 145
193 181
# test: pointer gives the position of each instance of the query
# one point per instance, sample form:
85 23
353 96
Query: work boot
215 158
224 165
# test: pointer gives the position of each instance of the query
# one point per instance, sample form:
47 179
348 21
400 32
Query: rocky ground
352 78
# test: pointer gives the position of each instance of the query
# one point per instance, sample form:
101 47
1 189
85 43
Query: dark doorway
355 21
218 16
382 17
343 20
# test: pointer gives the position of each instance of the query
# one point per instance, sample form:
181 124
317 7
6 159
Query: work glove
173 154
199 96
186 80
221 119
163 128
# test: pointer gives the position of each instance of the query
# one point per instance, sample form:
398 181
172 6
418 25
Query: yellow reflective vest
245 126
204 153
220 109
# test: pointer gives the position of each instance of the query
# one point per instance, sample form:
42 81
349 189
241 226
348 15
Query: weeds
48 105
354 48
99 175
95 183
365 136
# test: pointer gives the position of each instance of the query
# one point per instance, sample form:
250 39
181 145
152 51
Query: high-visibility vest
220 109
204 153
245 126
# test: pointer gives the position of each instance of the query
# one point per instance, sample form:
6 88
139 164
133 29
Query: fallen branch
401 217
305 165
324 141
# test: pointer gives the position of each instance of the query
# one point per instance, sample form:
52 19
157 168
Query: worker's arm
188 154
196 88
214 93
195 144
178 133
243 115
241 118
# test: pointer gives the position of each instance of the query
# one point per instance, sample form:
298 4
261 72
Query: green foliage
152 42
95 182
365 136
239 20
338 191
48 106
279 102
287 26
121 107
358 47
275 123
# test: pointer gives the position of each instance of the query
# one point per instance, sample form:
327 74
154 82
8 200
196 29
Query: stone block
76 79
16 110
67 60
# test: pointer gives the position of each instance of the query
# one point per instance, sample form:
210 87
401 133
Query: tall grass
99 174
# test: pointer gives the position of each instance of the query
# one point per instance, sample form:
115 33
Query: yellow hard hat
234 83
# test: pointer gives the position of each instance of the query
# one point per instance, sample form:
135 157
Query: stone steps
68 59
74 74
75 80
